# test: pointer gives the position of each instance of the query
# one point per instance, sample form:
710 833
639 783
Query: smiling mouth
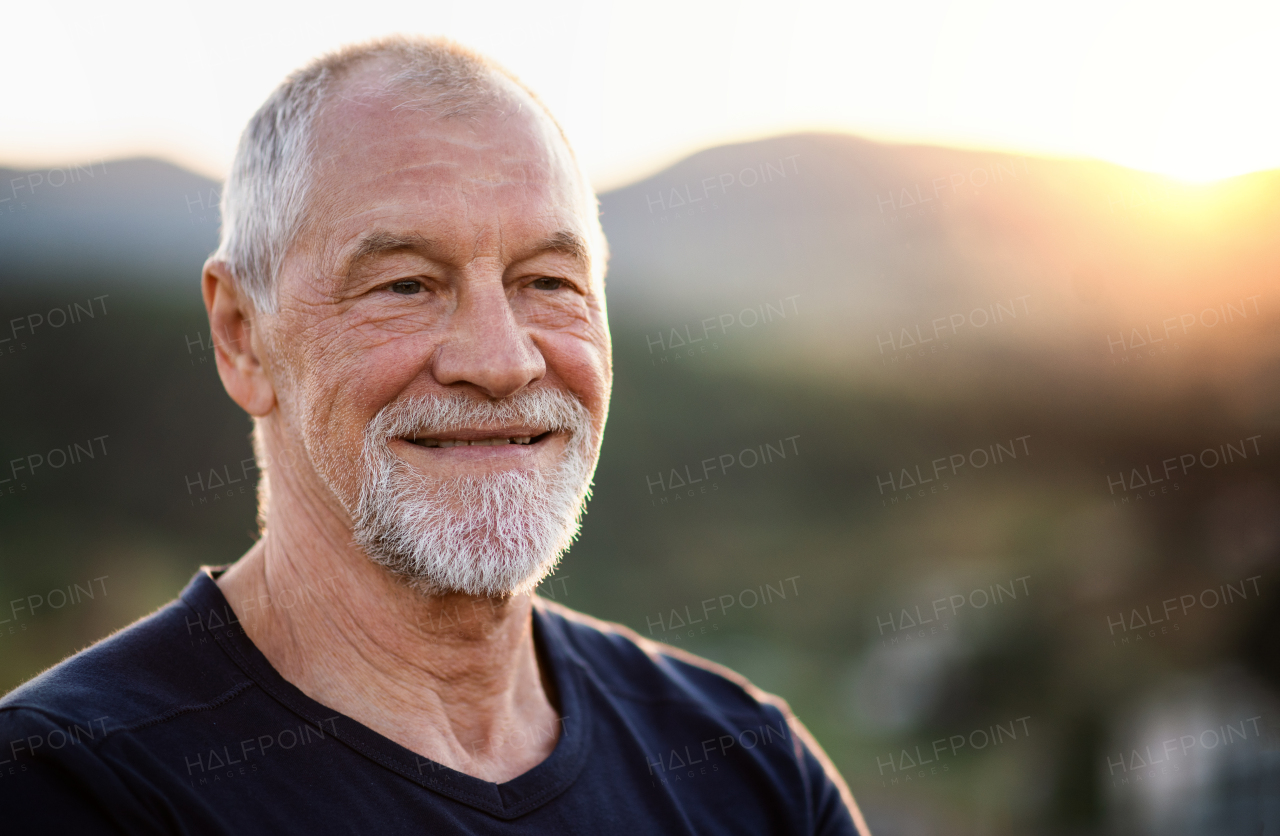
490 441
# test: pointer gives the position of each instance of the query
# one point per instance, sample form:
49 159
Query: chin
493 533
490 536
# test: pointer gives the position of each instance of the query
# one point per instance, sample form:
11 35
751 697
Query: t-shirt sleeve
52 781
831 806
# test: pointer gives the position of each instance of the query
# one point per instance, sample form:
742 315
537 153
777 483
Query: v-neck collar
508 800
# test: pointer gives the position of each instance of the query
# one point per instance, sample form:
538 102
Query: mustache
552 410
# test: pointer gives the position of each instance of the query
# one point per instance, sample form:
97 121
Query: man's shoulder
138 675
637 668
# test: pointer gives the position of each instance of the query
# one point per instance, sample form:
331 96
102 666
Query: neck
453 678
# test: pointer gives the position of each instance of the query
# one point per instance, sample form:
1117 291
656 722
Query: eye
547 283
407 287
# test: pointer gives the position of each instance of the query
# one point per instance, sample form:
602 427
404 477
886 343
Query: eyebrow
567 243
380 241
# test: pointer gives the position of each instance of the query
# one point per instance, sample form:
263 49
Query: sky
1188 90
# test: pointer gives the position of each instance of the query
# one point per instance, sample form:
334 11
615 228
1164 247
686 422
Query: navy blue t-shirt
179 725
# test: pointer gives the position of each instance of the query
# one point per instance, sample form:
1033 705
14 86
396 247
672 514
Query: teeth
481 442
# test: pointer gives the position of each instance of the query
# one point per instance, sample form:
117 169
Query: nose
485 346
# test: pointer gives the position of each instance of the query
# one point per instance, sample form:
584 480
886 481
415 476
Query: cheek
365 363
581 364
355 392
344 376
562 311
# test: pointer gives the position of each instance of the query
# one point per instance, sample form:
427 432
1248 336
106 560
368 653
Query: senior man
409 300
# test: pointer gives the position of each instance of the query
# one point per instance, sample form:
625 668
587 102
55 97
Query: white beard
495 535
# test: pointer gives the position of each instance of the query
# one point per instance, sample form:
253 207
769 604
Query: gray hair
264 200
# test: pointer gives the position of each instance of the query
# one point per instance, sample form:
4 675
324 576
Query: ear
231 323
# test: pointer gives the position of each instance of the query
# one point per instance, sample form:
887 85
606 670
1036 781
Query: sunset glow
1182 91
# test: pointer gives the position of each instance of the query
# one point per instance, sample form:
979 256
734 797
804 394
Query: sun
1219 119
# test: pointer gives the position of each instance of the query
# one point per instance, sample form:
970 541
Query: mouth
521 437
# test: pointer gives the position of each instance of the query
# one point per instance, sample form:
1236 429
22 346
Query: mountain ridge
866 239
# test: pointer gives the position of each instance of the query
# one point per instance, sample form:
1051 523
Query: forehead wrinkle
569 243
534 160
522 161
440 246
564 239
379 241
365 89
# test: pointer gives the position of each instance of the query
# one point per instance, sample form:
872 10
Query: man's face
443 287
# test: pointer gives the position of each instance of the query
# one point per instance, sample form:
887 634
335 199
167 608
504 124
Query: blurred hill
143 219
877 238
870 310
866 238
